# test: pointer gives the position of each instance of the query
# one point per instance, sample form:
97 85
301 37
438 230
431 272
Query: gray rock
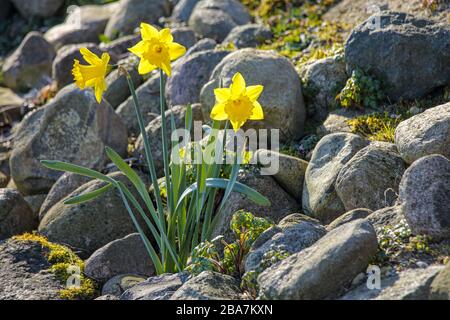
333 151
412 284
324 269
337 121
323 80
16 216
293 234
40 8
421 46
89 226
282 99
202 45
371 178
350 216
424 196
153 130
282 204
190 75
122 256
117 285
209 285
118 48
183 10
440 287
30 64
248 36
64 60
74 128
156 288
25 273
424 134
131 13
67 183
216 18
184 36
107 297
82 25
386 217
291 170
35 202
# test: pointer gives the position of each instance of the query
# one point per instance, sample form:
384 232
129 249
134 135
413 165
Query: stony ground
362 102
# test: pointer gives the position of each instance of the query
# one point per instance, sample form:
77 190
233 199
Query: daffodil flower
238 103
92 75
156 49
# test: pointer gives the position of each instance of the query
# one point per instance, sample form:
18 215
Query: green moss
61 258
377 126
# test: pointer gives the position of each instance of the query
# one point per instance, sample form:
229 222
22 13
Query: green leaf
89 196
82 171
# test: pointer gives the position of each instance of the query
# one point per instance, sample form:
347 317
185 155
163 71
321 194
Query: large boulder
371 178
293 234
16 216
425 134
386 217
412 284
83 24
156 288
350 216
333 151
67 183
122 256
282 98
410 54
131 13
209 285
424 196
440 287
154 132
324 269
37 8
190 75
74 128
323 80
25 272
117 285
248 36
64 60
89 226
216 18
30 64
281 203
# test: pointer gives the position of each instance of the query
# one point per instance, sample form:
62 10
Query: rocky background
362 102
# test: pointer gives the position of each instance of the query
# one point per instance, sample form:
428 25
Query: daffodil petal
222 94
148 31
100 87
237 125
257 112
105 58
238 85
253 92
218 112
89 56
165 66
139 48
77 76
145 67
165 36
176 50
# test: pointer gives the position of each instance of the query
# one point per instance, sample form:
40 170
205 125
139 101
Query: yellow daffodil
238 103
156 49
92 75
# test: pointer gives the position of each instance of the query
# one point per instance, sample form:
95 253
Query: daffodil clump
188 209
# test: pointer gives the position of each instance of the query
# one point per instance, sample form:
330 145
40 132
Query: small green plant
207 256
361 91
